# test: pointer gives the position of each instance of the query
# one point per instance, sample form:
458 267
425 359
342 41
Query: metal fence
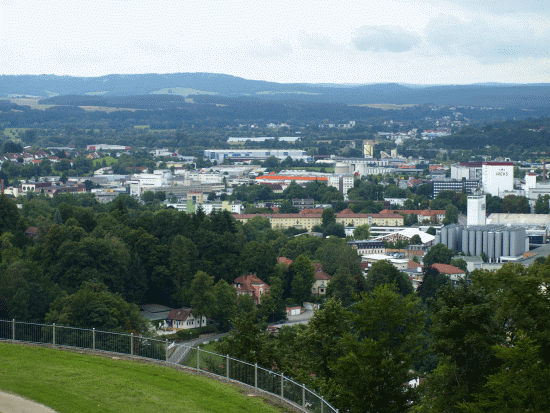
252 375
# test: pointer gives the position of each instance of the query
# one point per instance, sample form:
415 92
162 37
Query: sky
298 41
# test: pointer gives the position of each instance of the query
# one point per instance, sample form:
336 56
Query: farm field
72 382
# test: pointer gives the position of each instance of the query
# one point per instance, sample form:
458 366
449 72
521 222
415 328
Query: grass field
15 133
71 382
32 102
109 160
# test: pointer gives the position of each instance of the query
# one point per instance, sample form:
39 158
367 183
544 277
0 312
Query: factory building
476 210
497 177
498 242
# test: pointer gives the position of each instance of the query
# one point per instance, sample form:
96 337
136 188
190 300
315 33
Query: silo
437 238
485 240
444 235
479 242
341 168
491 246
515 245
498 245
472 241
465 241
458 237
451 237
506 243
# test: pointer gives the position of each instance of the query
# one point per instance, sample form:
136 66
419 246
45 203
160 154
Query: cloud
320 42
272 49
488 39
385 38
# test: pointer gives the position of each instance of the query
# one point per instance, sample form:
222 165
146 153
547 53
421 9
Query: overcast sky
419 41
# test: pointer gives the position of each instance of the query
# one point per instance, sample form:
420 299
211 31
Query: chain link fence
252 375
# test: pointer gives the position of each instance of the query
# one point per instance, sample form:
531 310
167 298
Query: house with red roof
183 318
453 272
251 285
321 280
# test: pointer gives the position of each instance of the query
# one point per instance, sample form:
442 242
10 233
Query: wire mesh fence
225 366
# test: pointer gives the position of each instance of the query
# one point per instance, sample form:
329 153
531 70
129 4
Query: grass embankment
71 382
109 160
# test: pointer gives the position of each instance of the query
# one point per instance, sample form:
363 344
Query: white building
476 210
144 182
341 182
466 170
497 177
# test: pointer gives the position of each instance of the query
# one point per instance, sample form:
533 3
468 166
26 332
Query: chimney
544 170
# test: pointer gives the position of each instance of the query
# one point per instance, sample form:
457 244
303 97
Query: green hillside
71 382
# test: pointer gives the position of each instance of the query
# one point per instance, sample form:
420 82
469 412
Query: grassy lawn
191 359
108 159
71 382
14 133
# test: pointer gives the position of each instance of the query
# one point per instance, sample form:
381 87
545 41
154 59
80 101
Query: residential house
321 280
251 285
183 318
451 271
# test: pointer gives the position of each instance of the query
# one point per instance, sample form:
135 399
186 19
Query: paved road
10 403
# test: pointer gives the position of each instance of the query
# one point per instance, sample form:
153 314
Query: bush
196 332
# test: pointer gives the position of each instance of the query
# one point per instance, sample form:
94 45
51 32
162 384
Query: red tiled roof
447 269
179 314
411 264
284 260
319 273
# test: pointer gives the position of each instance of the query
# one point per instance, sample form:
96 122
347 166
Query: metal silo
472 241
465 241
437 238
451 237
485 238
498 245
506 243
479 242
491 246
444 235
515 245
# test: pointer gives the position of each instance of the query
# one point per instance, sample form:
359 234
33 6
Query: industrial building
258 154
497 177
498 242
466 186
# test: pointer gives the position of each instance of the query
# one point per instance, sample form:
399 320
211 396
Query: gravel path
10 403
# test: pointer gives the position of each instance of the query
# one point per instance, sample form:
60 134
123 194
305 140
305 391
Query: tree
342 287
334 229
362 232
431 231
542 205
203 298
288 208
379 352
225 304
460 263
12 147
328 217
302 275
94 306
416 240
384 272
451 215
439 253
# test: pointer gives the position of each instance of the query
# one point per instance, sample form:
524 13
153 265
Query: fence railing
224 366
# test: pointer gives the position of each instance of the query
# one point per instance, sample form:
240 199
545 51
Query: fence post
198 358
53 341
131 344
93 339
166 349
256 376
303 395
227 366
322 404
13 330
282 386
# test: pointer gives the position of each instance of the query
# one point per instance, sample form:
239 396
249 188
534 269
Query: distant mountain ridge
221 85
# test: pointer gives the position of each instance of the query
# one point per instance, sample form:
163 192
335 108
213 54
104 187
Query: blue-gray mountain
99 90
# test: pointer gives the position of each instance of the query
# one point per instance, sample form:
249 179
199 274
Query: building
255 154
471 171
466 186
368 247
321 280
342 182
251 285
497 177
434 216
476 214
454 273
183 318
406 235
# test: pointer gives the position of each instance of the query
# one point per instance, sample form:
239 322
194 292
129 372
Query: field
15 133
32 102
109 160
71 382
181 91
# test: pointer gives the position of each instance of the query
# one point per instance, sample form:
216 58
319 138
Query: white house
183 318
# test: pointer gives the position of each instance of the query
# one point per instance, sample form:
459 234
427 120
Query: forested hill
220 85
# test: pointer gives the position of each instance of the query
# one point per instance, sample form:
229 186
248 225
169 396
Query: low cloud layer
385 38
